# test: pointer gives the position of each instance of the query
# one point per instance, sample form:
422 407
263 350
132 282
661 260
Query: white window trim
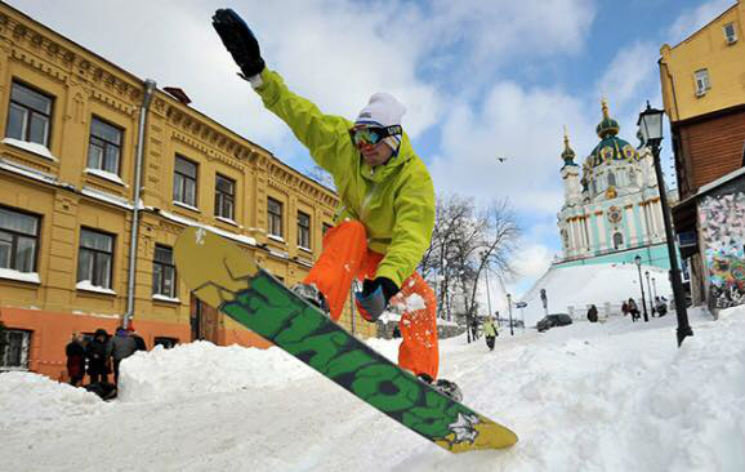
164 298
187 206
12 274
306 249
226 220
274 237
34 148
110 176
86 286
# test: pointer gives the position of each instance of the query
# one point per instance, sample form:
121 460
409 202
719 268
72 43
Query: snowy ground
613 396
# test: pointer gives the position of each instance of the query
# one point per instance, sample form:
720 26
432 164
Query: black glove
374 297
240 41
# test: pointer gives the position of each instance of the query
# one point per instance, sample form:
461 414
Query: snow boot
311 294
445 387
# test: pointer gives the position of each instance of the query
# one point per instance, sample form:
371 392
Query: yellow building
703 90
68 167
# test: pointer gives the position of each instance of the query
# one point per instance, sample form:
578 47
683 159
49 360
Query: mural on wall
722 218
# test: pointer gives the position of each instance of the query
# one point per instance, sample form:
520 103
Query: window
617 240
185 182
611 179
274 211
19 238
164 272
730 34
96 258
702 81
166 342
15 354
224 197
105 146
303 230
29 115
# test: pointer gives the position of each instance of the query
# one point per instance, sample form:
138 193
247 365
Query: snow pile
27 397
201 368
580 286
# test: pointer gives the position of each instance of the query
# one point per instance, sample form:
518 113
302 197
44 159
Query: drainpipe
149 89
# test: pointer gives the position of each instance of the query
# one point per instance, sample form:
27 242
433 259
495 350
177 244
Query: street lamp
650 125
649 291
638 262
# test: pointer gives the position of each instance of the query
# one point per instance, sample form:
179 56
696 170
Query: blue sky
479 79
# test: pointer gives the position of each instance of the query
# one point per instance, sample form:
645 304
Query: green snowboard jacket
395 201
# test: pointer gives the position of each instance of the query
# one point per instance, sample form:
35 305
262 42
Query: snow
614 396
106 175
580 286
88 286
107 197
226 234
165 298
35 148
11 274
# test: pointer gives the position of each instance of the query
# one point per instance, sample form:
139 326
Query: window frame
184 177
96 252
163 274
702 81
221 197
29 112
303 231
15 235
617 242
733 38
25 349
106 145
274 218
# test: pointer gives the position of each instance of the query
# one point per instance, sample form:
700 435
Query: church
611 211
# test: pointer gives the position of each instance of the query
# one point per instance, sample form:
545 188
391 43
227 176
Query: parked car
555 319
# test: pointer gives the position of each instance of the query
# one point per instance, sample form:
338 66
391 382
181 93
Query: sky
479 79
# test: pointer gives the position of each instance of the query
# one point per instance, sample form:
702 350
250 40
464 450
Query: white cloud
632 71
692 20
526 127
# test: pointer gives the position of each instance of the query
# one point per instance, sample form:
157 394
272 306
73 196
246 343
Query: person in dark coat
75 352
139 342
97 352
634 310
592 314
123 345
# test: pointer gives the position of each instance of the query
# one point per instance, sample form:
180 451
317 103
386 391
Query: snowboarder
75 352
490 332
387 209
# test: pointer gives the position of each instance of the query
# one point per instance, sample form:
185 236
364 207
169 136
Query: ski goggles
370 136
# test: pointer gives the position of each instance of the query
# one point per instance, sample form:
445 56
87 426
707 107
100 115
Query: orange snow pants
345 256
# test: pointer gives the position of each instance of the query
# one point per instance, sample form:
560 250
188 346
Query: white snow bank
26 397
201 368
580 286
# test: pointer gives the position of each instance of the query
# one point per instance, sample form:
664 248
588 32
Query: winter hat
383 110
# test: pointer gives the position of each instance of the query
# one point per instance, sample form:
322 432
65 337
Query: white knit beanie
383 110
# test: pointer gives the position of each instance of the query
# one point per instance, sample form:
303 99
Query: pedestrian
490 332
592 314
634 310
122 346
387 207
139 342
75 352
97 352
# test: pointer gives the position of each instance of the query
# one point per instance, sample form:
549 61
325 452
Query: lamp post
654 287
638 262
650 125
649 291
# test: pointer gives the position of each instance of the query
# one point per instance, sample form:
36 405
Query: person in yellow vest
490 332
387 213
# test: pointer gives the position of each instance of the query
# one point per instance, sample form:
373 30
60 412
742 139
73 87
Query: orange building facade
68 167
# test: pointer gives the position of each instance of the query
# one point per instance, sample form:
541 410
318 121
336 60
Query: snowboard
226 277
